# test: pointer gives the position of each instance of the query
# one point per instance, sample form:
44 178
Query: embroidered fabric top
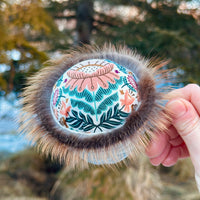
94 97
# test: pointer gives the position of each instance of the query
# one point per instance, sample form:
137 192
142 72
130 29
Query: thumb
187 123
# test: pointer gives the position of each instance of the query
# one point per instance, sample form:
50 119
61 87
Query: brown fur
140 126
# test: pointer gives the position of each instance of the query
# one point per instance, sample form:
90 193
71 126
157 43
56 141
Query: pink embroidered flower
65 110
101 77
132 82
55 97
127 101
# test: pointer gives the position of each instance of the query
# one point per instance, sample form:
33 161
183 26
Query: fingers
172 157
190 93
158 149
157 146
174 154
183 136
164 154
187 123
159 143
174 138
166 148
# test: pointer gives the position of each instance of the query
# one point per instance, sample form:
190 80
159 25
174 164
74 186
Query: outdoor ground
28 176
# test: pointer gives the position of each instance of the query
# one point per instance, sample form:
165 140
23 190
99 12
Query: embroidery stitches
94 96
109 120
101 77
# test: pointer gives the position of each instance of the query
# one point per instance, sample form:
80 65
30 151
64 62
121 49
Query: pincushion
95 106
94 97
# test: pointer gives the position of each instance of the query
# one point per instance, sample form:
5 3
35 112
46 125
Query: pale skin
182 139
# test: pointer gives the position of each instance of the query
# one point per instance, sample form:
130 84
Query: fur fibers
141 125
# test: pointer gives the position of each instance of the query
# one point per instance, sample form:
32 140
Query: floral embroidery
64 110
101 77
94 96
55 97
108 120
127 101
130 82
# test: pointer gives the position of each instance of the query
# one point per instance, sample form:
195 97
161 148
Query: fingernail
177 108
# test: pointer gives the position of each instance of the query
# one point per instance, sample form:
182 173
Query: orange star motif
127 101
65 110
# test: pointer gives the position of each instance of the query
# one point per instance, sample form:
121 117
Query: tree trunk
84 16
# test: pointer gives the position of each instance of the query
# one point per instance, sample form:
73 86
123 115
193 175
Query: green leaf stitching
83 106
107 102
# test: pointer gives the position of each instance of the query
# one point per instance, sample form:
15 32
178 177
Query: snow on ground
10 140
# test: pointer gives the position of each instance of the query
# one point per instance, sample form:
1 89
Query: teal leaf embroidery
108 120
123 114
78 120
70 119
88 128
84 94
128 84
76 124
103 117
102 92
89 119
59 97
83 106
107 126
111 119
107 102
75 113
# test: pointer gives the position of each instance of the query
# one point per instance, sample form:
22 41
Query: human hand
183 135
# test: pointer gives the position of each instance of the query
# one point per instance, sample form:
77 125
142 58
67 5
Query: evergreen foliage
39 28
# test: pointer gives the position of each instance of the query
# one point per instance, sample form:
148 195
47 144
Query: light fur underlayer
151 117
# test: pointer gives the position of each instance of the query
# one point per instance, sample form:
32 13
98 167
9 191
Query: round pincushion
96 106
94 97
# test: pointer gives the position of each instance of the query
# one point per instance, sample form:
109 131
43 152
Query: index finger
191 93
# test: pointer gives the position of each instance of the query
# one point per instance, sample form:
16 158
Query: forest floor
28 176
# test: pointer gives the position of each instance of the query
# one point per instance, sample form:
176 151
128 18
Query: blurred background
33 31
